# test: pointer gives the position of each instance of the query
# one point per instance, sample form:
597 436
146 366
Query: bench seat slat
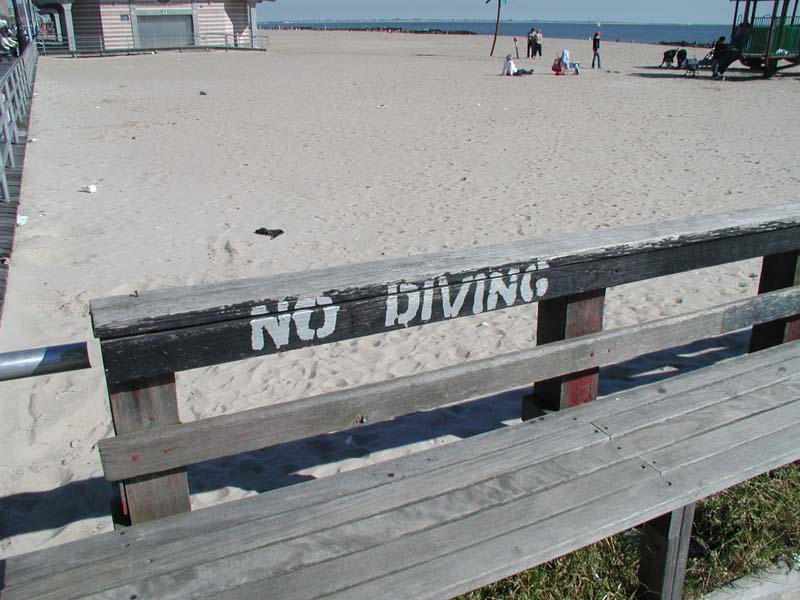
760 390
456 482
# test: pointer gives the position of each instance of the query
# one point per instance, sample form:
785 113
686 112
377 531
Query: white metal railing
16 89
110 44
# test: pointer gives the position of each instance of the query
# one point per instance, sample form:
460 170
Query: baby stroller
669 56
706 60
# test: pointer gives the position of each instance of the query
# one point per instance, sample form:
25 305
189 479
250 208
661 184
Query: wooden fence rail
147 338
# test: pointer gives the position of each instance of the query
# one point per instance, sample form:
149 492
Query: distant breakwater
435 31
690 35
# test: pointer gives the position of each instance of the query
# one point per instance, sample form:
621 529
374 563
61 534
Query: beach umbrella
496 25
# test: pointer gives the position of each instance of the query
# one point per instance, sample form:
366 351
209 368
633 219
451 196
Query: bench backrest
147 338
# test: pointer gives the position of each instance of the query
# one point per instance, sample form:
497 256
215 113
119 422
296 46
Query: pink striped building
88 25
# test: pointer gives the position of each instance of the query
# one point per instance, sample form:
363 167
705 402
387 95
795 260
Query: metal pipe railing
16 88
108 44
44 361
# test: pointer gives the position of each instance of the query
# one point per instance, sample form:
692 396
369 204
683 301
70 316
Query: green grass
741 531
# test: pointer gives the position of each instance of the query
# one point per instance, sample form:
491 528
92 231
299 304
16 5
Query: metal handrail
122 43
44 361
16 90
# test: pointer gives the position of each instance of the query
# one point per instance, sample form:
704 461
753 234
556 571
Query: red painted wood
560 319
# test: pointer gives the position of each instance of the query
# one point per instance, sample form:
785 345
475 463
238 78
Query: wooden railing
147 338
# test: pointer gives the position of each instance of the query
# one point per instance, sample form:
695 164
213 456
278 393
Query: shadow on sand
731 75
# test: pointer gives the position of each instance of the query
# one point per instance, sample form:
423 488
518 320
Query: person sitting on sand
509 68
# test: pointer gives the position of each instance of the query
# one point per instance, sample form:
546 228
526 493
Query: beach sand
359 146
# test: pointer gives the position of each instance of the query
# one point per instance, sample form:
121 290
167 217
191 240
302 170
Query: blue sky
638 11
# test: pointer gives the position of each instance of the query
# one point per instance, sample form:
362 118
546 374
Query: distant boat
598 24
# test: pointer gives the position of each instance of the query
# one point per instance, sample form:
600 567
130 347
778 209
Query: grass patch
738 532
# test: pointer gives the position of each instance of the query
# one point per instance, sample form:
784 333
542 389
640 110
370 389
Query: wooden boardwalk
8 213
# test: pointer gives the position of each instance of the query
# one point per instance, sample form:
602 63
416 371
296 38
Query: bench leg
665 549
560 319
135 406
778 271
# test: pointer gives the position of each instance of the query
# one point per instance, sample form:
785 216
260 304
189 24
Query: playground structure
761 43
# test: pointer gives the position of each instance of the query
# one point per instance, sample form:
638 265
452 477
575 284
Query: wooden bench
447 520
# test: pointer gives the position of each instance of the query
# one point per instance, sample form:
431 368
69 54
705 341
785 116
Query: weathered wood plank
170 447
762 390
669 458
560 319
139 406
777 271
277 325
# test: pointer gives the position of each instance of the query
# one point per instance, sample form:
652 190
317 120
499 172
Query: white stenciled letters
499 287
302 318
530 288
393 316
277 326
452 309
427 301
480 290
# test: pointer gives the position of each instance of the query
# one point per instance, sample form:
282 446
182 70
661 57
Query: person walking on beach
531 44
716 56
596 50
537 48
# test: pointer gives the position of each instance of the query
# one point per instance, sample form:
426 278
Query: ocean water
622 32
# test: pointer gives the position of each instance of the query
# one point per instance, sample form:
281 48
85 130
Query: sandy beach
359 146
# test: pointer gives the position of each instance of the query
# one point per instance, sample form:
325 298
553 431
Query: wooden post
777 271
138 405
664 551
560 319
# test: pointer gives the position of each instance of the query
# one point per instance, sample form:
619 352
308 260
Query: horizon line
466 20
